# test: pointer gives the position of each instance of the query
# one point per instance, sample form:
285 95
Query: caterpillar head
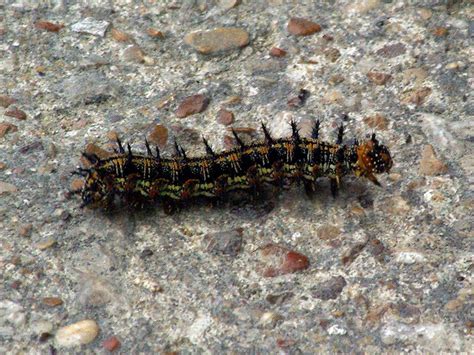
94 192
372 158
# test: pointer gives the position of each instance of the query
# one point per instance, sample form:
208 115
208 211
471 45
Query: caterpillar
140 179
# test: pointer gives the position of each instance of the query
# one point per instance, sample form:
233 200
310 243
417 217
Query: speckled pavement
390 268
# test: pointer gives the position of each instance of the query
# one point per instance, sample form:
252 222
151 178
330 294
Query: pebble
330 289
430 165
46 244
6 101
328 232
279 260
52 301
5 188
336 329
6 127
378 78
416 96
228 4
225 242
409 257
395 205
361 6
134 54
277 52
158 136
302 27
217 40
82 332
225 117
191 105
49 26
119 36
332 54
91 26
440 31
279 298
376 121
392 50
153 32
111 344
298 101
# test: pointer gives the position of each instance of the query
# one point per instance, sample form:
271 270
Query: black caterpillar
139 179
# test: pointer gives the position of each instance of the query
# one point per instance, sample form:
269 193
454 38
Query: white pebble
82 332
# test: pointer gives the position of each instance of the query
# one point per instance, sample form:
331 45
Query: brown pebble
52 301
279 260
6 101
112 343
159 136
392 50
277 52
46 244
430 165
440 31
48 26
225 117
191 105
153 32
119 36
217 40
377 121
2 165
25 230
18 114
244 130
332 54
336 79
416 96
378 78
328 232
302 27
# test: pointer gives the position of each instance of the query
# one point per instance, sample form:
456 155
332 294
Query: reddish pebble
159 135
277 52
225 117
440 31
302 27
112 343
2 165
378 78
153 32
279 260
48 26
96 150
52 301
6 101
191 105
18 114
6 127
77 184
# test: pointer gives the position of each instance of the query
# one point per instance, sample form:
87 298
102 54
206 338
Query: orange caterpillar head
372 158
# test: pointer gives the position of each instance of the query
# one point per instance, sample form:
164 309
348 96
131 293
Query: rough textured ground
390 268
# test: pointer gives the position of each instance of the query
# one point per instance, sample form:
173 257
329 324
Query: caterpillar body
140 179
